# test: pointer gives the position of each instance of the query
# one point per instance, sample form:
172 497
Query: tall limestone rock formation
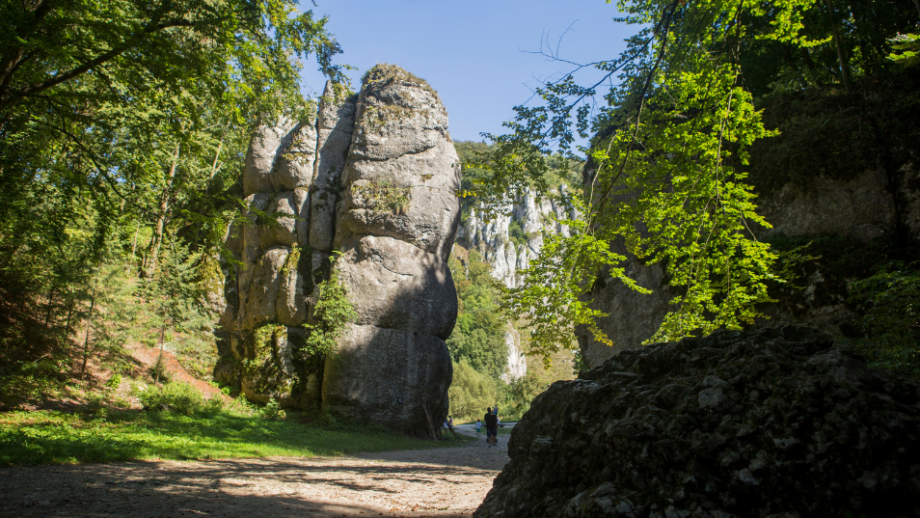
372 176
395 228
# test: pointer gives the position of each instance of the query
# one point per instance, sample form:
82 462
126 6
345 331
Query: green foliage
272 411
471 392
123 126
46 437
667 172
521 392
478 336
180 398
114 382
332 313
908 47
890 303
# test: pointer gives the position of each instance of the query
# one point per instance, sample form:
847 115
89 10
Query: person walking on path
478 427
491 428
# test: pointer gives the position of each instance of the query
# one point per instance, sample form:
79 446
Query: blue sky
473 52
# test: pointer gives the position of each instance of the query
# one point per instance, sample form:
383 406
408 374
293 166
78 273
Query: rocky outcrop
373 177
510 240
774 422
395 228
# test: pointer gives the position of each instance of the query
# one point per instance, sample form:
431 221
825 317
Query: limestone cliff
507 251
372 176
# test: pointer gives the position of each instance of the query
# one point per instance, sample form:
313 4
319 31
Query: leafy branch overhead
666 175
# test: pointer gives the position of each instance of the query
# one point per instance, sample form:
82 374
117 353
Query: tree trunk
89 326
134 244
150 263
159 364
841 59
50 306
917 5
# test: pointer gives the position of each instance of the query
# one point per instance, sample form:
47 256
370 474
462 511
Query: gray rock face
394 377
395 228
772 422
335 125
633 317
373 176
858 209
397 285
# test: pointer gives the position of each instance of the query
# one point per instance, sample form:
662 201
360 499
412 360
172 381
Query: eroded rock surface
395 229
760 423
372 176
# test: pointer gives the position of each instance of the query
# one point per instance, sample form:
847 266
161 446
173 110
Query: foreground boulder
774 422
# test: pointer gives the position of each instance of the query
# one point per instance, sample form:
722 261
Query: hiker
478 427
491 427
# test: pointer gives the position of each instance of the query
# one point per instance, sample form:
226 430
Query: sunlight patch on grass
49 437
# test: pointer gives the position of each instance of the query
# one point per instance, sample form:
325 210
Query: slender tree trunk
69 316
50 305
159 364
157 239
89 326
134 244
217 156
841 59
917 5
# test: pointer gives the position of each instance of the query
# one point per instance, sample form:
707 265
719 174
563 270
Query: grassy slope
49 437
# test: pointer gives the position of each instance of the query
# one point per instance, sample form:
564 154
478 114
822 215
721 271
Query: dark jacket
491 420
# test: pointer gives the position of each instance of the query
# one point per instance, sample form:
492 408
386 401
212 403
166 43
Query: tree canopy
123 127
669 157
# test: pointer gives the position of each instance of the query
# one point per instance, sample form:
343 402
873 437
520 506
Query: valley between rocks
448 482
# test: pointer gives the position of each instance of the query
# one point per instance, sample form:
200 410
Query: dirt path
448 482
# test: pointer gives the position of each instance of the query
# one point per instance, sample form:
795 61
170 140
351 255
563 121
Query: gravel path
448 482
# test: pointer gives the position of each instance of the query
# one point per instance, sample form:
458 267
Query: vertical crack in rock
373 176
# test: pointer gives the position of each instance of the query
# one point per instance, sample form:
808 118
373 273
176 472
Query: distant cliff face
372 176
509 241
509 251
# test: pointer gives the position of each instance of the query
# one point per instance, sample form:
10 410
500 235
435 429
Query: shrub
272 410
890 302
181 398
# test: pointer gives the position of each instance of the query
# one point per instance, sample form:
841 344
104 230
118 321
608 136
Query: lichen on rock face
760 423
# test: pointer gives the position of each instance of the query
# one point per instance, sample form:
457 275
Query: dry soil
449 482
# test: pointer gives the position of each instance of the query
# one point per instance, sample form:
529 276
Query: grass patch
50 437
